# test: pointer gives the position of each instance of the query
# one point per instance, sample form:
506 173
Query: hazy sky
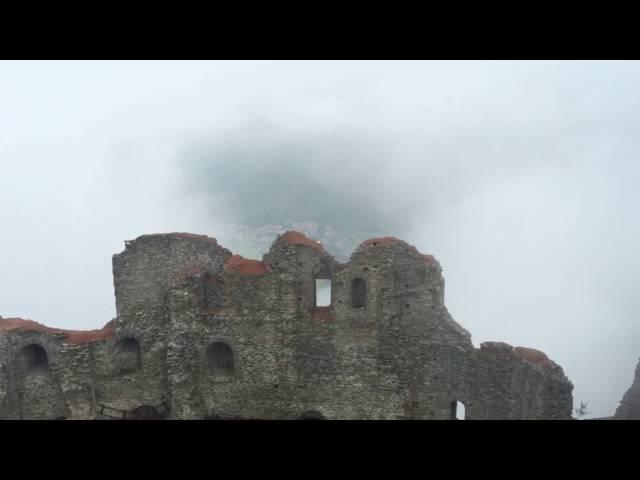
520 177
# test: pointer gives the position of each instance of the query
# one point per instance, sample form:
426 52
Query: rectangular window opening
458 410
323 292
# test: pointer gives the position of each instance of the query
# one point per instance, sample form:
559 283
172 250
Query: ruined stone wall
202 333
8 398
401 356
629 408
143 274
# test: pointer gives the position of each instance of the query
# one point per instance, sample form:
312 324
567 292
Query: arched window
312 415
220 360
144 412
358 293
457 410
34 357
126 356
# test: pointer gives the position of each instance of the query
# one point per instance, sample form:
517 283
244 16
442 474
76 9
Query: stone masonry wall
202 333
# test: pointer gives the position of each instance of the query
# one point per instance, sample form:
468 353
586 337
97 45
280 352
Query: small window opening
358 293
220 359
457 410
323 292
126 356
34 357
211 295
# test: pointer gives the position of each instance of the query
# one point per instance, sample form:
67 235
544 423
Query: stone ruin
201 333
629 408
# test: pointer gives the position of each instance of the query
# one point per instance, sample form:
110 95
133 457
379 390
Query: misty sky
520 177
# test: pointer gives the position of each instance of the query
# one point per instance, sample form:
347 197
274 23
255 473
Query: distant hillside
254 241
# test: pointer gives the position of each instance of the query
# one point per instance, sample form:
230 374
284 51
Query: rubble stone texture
629 408
201 333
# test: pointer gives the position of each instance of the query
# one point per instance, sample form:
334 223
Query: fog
520 177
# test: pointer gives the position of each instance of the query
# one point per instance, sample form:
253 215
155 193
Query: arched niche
220 361
34 357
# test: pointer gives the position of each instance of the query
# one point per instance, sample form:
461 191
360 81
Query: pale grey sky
520 177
